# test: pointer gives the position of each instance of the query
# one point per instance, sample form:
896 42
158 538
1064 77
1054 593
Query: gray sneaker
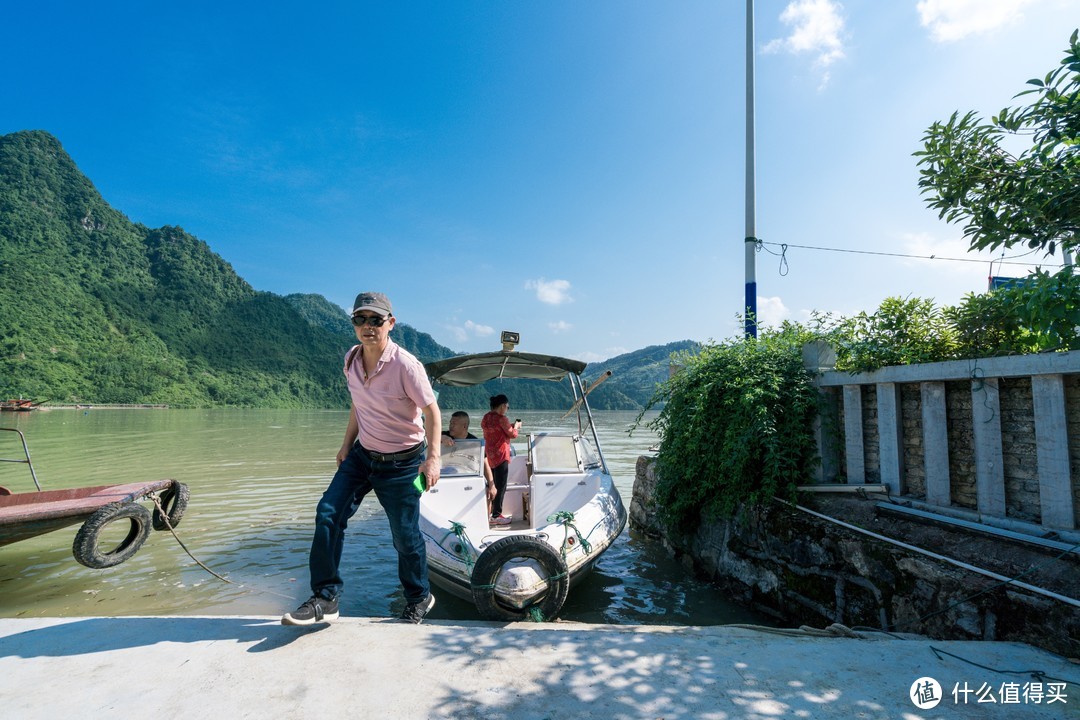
314 610
414 612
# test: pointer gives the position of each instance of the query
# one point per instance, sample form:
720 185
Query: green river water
255 477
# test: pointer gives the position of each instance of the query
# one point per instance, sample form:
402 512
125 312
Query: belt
393 457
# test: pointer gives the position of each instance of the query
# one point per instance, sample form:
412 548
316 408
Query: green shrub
1049 304
736 427
900 332
989 324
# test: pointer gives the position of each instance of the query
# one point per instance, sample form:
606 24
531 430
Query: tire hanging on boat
175 501
85 548
490 564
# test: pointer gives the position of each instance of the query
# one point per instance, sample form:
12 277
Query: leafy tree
968 172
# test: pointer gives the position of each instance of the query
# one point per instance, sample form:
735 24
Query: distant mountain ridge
96 308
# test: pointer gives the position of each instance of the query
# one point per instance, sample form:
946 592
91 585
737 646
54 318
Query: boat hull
27 515
516 574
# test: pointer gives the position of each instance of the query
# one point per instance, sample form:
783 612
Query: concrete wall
998 436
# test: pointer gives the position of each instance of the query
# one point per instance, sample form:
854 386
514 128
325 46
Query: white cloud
479 330
591 357
927 246
552 292
950 20
946 268
560 327
462 333
771 311
816 28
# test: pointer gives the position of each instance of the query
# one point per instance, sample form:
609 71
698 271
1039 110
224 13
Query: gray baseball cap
373 301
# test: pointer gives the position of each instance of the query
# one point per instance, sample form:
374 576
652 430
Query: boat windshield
590 458
556 453
464 457
563 453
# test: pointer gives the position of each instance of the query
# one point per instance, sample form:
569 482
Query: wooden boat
29 514
566 508
19 405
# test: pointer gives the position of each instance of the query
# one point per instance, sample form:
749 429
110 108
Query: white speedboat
565 507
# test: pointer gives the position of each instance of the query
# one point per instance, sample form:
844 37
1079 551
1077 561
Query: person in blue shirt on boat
459 430
393 413
498 432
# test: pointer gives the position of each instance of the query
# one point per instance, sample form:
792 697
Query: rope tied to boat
566 519
458 529
165 518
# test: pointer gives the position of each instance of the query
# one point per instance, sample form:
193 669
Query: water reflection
255 477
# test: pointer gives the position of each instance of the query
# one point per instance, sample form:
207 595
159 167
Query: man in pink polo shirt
392 434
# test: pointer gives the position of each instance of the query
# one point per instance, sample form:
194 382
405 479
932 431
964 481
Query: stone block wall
806 570
961 437
1018 443
911 422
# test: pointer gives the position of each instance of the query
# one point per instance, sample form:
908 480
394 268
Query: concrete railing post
854 452
890 437
989 455
935 443
1052 450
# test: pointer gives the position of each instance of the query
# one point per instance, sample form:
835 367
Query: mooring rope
566 519
459 530
165 518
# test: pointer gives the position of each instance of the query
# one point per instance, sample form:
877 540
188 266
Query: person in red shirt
498 432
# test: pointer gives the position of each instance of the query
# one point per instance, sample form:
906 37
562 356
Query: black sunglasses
373 320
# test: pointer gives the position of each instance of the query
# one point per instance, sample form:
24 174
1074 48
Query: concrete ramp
253 667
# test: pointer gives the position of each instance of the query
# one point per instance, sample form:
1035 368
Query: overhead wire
784 268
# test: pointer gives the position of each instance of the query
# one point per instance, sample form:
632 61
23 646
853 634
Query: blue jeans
392 482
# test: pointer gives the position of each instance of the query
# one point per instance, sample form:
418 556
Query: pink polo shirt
388 403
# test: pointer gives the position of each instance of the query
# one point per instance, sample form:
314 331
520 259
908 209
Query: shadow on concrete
674 676
93 635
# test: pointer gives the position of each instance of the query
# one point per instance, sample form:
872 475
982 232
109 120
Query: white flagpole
750 242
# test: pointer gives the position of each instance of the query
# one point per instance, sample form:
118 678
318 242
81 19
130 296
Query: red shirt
498 432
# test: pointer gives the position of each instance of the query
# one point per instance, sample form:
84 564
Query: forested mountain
634 375
95 308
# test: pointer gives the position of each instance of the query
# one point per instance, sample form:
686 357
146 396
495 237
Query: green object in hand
420 483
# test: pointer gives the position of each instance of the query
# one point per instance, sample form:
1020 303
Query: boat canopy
466 370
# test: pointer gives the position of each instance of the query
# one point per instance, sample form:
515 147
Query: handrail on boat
26 451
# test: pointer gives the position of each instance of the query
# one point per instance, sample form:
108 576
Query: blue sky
570 170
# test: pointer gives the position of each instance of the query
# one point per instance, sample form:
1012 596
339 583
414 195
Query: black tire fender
85 548
490 564
174 501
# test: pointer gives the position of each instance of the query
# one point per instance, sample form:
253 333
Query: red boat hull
27 515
